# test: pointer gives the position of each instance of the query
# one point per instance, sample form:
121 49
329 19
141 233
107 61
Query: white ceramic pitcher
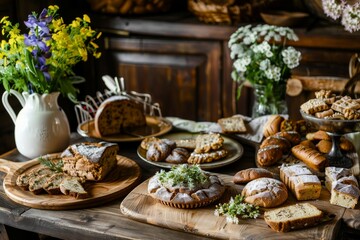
41 126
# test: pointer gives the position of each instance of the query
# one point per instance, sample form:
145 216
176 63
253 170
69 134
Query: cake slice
345 195
293 217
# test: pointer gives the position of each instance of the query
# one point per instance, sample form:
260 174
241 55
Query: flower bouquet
41 60
262 58
348 11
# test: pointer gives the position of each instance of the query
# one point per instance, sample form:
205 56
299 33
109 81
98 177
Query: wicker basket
130 7
226 11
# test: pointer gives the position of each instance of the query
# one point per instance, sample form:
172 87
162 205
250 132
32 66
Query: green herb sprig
55 164
236 208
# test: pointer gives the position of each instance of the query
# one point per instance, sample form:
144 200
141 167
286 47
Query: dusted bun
272 126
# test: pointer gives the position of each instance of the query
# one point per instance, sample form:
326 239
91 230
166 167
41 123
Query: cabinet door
182 76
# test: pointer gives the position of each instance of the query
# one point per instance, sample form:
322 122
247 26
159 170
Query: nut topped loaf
118 113
91 161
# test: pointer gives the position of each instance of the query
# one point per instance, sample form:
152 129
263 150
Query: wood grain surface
140 206
117 183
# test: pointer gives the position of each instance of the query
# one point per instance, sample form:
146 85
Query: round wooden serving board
117 183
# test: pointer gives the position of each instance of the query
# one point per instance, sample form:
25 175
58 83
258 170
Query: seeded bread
73 186
23 179
92 161
293 217
36 184
299 179
233 124
52 185
265 192
118 113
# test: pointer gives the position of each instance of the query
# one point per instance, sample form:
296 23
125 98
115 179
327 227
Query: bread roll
324 146
284 144
272 126
265 192
311 157
247 175
292 136
269 155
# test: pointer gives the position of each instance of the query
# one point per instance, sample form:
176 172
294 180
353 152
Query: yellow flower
94 45
86 18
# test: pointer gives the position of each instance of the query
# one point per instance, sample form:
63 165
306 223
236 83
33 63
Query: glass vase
269 99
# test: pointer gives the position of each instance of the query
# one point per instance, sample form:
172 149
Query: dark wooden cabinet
183 76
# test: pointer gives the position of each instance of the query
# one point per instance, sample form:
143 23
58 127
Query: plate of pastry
121 119
208 150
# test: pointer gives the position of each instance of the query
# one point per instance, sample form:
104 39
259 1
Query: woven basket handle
354 73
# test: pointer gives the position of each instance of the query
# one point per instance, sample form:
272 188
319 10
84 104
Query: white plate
235 151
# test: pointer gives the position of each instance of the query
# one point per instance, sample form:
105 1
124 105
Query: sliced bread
73 186
36 184
293 217
52 186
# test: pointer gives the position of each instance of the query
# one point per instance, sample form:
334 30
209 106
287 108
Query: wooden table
105 221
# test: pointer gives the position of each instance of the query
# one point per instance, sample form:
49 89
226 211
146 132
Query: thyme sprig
55 164
236 208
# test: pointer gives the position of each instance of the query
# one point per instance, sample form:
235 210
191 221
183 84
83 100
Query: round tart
185 186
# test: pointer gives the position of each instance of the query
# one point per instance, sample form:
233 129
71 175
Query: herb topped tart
185 186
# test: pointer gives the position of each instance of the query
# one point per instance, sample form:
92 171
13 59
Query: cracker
232 125
197 158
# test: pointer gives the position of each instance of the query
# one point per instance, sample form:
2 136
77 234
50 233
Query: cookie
197 158
208 142
186 143
313 106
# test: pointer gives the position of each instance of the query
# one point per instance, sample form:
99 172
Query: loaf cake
118 113
343 186
302 183
293 217
265 192
345 195
185 186
91 161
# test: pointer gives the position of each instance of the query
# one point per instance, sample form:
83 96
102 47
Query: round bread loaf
247 175
265 192
272 125
116 114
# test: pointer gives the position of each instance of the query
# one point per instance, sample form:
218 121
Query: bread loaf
303 184
92 161
293 217
292 136
272 125
269 155
311 157
118 113
247 175
282 142
265 192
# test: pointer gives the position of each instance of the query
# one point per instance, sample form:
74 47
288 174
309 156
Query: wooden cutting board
142 207
117 183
